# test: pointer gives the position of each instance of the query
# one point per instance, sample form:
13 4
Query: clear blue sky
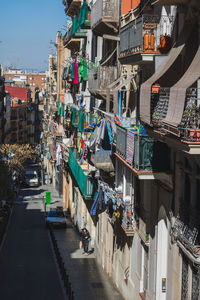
26 29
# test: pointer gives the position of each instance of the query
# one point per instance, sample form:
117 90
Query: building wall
33 79
17 92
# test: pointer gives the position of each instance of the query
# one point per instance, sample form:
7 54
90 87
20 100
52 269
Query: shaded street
27 265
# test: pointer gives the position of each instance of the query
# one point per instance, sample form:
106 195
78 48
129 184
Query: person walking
85 237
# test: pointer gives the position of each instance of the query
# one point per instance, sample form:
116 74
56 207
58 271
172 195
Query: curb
62 267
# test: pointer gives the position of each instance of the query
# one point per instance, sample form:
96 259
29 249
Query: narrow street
27 266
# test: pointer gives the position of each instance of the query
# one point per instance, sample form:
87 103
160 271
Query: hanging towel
76 77
93 210
110 132
72 72
79 144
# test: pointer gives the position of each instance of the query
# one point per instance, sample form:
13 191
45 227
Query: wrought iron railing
190 123
189 128
141 151
187 235
145 34
128 221
159 106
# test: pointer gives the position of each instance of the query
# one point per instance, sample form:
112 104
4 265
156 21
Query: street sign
48 197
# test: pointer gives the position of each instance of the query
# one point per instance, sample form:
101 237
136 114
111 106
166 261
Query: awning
178 92
169 65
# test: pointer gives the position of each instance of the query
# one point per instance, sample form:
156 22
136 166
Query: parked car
56 218
31 178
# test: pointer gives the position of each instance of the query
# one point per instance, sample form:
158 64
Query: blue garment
99 199
106 198
110 133
93 210
119 104
106 139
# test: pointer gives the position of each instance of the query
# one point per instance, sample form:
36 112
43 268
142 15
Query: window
9 78
42 83
33 83
30 78
33 78
42 78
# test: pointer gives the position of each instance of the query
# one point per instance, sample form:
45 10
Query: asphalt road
27 266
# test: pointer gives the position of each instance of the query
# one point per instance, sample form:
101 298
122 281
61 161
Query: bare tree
15 155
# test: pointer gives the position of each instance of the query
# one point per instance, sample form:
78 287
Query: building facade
121 139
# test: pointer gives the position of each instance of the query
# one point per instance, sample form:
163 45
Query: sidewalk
88 279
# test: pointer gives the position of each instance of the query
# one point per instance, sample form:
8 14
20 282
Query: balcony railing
99 78
128 221
141 151
87 184
103 12
188 236
74 37
159 105
189 128
144 35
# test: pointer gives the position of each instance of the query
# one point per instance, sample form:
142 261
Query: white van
31 177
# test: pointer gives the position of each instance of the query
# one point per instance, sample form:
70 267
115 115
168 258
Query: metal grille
195 285
184 288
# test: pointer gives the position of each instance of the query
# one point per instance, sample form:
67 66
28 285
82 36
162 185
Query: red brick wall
36 80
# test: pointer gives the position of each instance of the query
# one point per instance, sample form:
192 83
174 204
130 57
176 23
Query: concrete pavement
88 279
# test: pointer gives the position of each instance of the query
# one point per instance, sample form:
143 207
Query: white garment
58 155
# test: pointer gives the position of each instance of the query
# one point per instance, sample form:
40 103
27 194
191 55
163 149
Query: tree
15 156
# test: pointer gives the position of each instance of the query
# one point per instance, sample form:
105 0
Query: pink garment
76 77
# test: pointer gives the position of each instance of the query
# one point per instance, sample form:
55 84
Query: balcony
71 42
128 221
102 160
143 38
72 7
188 130
87 184
141 152
100 78
187 238
105 17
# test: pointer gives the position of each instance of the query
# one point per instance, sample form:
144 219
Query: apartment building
124 141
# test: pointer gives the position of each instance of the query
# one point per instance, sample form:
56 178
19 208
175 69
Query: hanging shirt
76 76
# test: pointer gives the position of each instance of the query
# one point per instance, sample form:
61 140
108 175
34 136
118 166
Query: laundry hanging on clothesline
106 199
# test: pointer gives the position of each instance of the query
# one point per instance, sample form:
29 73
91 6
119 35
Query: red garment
82 143
76 76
